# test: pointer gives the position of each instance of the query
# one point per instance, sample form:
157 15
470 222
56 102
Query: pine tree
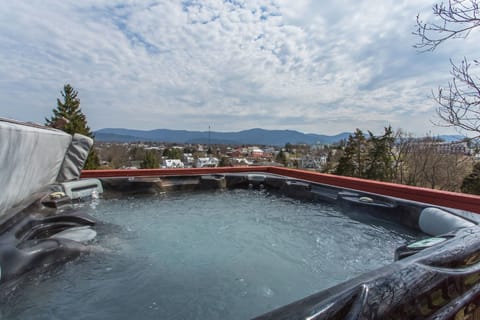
355 157
369 158
69 109
380 166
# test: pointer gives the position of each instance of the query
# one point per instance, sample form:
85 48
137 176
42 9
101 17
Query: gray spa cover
30 158
75 158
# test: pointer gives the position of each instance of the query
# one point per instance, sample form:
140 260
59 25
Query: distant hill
112 137
451 138
252 136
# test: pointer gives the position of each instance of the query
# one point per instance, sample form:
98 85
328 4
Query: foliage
225 162
471 183
459 103
92 162
355 156
173 153
69 108
369 158
380 166
150 161
400 158
282 157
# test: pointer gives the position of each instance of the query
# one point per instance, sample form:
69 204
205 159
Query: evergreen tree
380 165
69 109
355 157
345 166
369 158
471 183
150 161
173 153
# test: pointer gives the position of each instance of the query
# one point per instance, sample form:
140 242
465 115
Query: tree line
401 158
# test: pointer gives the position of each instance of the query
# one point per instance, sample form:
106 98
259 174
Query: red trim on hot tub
436 197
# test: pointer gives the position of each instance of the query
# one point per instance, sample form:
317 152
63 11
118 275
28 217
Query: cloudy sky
309 65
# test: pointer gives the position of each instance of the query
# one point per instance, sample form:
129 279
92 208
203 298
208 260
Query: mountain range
252 136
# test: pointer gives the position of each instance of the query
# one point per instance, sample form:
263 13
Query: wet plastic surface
441 282
28 243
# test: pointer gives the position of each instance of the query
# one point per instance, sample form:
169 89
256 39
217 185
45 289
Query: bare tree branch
459 103
457 19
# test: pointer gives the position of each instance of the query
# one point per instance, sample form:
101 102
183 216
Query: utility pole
209 145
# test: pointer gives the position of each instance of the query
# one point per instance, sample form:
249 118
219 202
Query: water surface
223 255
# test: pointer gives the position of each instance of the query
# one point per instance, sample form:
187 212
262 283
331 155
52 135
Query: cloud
318 67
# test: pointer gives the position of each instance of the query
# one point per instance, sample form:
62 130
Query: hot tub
215 244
